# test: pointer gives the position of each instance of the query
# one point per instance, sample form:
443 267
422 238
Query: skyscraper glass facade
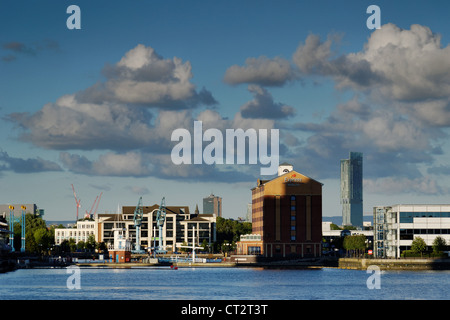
352 189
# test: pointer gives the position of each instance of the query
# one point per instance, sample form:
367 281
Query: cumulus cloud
112 115
144 77
69 124
262 71
130 164
408 68
19 165
263 106
400 80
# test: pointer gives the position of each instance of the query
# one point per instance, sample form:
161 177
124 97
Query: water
222 284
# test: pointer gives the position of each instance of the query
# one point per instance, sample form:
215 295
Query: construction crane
89 214
96 207
77 201
138 216
160 219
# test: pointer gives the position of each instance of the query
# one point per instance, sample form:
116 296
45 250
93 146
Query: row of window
424 231
408 217
73 233
86 226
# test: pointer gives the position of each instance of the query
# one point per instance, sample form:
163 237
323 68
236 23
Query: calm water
222 284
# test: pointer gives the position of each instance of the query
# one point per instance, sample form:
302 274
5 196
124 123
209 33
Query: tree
90 243
355 243
334 226
205 245
439 244
43 239
81 245
230 230
418 245
72 244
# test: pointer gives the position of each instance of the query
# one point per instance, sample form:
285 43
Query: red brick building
287 214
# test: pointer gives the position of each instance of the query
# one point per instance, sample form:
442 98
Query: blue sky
75 108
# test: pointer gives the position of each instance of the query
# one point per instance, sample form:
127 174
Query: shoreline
418 264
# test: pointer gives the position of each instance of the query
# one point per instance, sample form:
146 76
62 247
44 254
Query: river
164 283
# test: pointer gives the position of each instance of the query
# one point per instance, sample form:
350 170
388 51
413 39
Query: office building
395 227
212 205
84 229
352 190
286 217
177 228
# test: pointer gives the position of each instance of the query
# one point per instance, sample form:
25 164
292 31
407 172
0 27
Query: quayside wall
395 264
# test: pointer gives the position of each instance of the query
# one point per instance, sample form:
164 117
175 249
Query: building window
292 218
292 208
254 250
293 238
292 228
292 198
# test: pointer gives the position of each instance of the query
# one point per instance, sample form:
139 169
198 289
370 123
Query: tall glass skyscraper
352 190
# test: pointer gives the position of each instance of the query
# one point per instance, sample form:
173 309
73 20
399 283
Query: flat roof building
287 215
212 205
395 227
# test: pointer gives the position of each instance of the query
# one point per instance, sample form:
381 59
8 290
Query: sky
95 107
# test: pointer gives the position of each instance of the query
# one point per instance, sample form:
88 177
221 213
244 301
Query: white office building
82 232
395 227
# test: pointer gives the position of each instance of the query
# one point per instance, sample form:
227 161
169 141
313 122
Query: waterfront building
83 230
352 189
287 216
205 229
395 227
120 251
176 230
212 205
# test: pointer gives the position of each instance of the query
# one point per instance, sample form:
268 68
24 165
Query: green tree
334 226
101 246
43 239
355 243
205 245
90 243
418 245
227 246
72 244
439 244
81 245
230 231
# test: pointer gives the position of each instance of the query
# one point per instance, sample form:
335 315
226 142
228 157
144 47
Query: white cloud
145 78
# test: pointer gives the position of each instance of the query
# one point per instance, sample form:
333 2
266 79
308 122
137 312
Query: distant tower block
284 168
352 190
